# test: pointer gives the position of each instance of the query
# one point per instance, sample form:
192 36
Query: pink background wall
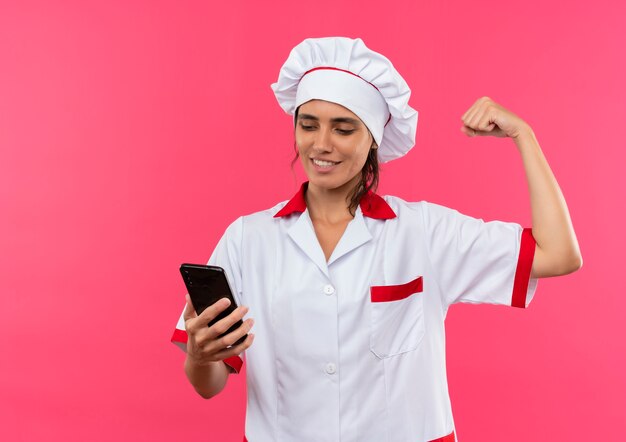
133 132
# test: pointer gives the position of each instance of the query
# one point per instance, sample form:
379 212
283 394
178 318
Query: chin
329 183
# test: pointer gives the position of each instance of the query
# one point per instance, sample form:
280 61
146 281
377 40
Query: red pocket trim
386 293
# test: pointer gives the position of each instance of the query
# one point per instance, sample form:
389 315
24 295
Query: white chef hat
345 71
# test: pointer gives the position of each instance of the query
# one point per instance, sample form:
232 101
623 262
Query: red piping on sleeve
524 267
234 361
179 336
449 438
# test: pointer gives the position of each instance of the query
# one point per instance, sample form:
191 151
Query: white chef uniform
353 349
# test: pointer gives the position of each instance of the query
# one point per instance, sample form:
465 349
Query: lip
323 169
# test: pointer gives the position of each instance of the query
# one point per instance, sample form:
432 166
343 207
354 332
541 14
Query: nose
322 141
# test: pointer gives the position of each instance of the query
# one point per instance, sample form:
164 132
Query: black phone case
206 285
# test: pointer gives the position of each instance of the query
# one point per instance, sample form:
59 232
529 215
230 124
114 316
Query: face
333 144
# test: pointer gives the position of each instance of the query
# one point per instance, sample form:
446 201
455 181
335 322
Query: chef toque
346 72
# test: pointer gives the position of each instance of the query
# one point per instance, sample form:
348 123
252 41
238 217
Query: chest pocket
397 318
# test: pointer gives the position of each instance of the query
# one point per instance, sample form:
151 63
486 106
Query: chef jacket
353 349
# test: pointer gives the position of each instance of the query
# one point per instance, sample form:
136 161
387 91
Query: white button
331 368
329 289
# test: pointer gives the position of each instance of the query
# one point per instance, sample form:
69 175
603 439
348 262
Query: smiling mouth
323 163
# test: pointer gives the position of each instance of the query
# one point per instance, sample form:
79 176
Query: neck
330 205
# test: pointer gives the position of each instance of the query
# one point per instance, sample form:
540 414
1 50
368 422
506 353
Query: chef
348 290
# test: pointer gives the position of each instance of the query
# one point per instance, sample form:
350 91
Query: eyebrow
332 120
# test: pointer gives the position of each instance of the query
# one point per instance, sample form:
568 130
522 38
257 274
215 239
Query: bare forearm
557 251
207 380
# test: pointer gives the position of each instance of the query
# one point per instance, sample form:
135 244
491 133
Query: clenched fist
487 118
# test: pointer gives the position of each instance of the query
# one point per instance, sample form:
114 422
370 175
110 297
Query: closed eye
309 128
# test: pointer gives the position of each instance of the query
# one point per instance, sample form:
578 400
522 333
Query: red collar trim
372 205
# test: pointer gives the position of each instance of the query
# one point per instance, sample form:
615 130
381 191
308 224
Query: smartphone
207 285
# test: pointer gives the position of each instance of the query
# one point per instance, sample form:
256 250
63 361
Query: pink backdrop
133 132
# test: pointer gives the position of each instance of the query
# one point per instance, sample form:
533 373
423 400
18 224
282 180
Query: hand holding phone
207 285
204 346
215 330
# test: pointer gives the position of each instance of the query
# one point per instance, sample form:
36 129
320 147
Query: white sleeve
227 255
479 262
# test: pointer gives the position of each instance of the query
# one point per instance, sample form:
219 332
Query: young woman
349 290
